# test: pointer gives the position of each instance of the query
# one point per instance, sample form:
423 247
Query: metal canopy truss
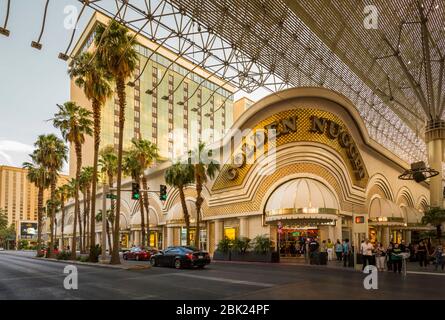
255 45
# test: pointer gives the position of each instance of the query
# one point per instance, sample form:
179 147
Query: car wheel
137 257
153 262
178 264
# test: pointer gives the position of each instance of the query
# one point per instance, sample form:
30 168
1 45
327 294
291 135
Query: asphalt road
25 278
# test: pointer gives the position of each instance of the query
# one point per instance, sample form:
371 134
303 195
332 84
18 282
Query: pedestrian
422 254
380 257
396 258
439 256
330 249
366 249
314 251
346 252
389 255
338 250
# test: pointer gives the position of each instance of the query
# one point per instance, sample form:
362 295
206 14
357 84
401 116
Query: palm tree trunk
39 218
78 149
87 230
147 209
51 218
113 205
120 84
141 204
186 214
199 201
82 230
96 115
62 226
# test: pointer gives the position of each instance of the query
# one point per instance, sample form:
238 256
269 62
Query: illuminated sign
359 219
28 230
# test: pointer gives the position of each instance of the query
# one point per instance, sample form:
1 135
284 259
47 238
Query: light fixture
63 56
36 45
418 172
4 32
194 109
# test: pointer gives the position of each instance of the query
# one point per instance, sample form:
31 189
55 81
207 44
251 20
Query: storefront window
153 239
203 239
184 236
230 233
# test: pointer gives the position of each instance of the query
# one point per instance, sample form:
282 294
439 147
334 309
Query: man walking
346 252
366 250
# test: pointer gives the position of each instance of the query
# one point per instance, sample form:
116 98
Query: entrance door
291 240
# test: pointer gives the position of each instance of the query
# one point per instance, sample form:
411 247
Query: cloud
14 153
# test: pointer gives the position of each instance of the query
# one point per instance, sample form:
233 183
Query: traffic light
163 193
135 194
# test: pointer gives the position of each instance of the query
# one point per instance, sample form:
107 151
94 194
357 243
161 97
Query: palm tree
109 221
74 122
51 152
116 55
179 175
146 154
108 167
435 217
64 192
38 175
132 168
96 86
86 179
202 170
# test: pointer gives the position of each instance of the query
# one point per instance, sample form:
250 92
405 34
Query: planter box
255 257
221 256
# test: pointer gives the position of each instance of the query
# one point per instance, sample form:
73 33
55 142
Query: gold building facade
316 172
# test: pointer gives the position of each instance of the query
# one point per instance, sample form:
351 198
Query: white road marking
427 273
249 283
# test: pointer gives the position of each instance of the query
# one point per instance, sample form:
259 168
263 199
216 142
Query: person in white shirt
366 249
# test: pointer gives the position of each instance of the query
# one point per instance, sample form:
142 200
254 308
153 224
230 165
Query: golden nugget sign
335 131
288 126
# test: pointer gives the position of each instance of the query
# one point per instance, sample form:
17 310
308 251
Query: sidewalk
412 267
126 265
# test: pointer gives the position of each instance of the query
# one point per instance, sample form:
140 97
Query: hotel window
199 113
170 114
154 113
186 115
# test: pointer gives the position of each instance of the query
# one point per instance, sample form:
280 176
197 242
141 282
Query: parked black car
180 257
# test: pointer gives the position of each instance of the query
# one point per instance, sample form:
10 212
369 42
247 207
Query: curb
97 265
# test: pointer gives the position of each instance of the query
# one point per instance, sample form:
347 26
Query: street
24 278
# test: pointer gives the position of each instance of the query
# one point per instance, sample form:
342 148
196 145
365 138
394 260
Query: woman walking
396 259
422 254
380 257
338 250
439 255
330 248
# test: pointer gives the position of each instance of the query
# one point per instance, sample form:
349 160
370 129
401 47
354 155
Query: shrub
96 252
224 245
40 254
241 244
63 255
262 244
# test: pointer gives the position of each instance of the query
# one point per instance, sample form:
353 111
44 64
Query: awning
384 212
302 201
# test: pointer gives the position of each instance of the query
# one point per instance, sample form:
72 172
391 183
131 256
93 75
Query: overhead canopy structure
176 216
393 74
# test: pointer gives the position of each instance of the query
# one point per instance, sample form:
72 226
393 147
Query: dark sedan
139 254
180 257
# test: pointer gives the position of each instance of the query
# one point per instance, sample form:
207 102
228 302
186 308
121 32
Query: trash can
323 258
315 258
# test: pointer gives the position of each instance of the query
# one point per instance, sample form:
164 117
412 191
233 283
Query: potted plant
223 250
262 249
239 250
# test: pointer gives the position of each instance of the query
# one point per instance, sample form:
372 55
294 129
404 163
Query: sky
32 82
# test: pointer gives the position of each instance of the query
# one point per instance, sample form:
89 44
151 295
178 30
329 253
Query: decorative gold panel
268 181
302 133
